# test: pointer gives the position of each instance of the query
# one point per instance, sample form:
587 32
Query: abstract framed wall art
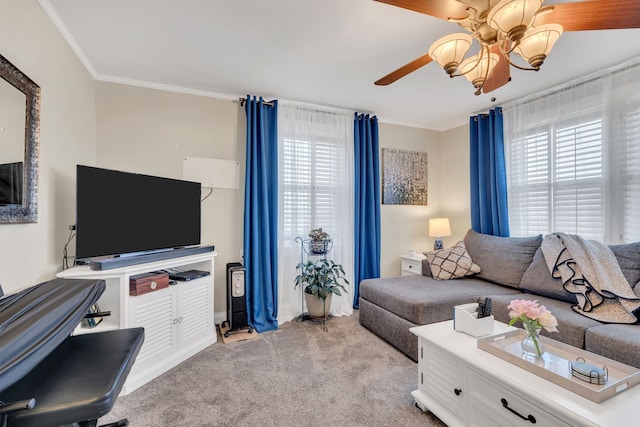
404 177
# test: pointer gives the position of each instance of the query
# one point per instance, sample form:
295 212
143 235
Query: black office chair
75 383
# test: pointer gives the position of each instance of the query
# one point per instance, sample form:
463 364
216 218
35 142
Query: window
630 164
316 190
313 178
557 180
573 159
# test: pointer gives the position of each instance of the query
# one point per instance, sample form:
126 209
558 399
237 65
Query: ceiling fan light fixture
478 68
507 27
537 43
449 50
513 17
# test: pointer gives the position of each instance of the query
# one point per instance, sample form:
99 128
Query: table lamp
439 228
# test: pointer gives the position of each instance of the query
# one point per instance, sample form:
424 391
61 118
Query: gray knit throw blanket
590 271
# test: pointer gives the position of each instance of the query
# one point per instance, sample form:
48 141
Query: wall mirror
19 145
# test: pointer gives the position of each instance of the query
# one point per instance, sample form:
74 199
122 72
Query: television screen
11 184
121 212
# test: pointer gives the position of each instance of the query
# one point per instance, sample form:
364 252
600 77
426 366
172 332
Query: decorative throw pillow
628 256
451 263
538 280
503 260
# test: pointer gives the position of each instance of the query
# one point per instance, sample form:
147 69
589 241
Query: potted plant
319 241
319 280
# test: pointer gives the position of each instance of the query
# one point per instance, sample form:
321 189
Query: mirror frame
28 212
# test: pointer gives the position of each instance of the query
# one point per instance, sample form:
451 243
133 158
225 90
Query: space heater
236 299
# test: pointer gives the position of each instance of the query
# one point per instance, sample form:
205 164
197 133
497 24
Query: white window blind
529 185
577 181
573 158
313 176
631 177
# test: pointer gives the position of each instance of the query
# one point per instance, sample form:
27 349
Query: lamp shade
510 14
439 227
538 42
448 51
478 67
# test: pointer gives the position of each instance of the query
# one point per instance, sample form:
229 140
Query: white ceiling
326 52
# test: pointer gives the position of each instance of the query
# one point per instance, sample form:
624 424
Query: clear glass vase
531 343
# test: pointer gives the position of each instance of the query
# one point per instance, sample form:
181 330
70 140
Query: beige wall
150 131
30 253
405 227
455 182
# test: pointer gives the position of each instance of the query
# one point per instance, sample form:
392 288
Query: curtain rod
576 83
485 112
319 108
267 103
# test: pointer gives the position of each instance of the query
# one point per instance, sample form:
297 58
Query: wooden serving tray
554 365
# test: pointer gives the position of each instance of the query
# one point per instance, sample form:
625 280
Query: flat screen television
11 184
121 213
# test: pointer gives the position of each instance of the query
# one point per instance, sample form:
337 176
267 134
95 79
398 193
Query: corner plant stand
313 248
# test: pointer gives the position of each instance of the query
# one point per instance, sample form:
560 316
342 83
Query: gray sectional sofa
511 268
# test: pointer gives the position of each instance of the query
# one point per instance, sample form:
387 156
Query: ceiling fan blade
404 70
501 73
594 15
443 9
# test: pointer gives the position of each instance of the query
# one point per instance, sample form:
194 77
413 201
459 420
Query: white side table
411 265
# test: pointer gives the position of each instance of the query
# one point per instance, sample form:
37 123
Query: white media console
178 320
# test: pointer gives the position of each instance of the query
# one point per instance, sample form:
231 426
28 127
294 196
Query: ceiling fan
504 27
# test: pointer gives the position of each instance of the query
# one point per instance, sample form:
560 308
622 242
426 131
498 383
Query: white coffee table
466 386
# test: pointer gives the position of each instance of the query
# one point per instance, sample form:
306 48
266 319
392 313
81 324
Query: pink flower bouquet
533 317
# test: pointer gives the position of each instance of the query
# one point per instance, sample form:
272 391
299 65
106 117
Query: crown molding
66 34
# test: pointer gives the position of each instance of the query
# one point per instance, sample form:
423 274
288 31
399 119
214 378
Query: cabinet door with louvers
157 313
195 314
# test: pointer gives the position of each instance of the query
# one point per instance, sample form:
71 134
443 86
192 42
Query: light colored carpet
297 375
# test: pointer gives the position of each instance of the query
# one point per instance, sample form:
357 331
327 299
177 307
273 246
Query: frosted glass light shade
486 64
509 14
448 51
439 227
538 42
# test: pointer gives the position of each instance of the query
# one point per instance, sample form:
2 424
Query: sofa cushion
502 260
628 256
422 300
452 263
426 270
571 325
618 342
538 280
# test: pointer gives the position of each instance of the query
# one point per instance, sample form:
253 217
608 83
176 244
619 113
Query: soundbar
110 263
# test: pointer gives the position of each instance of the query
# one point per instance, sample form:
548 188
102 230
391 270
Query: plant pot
316 307
318 247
